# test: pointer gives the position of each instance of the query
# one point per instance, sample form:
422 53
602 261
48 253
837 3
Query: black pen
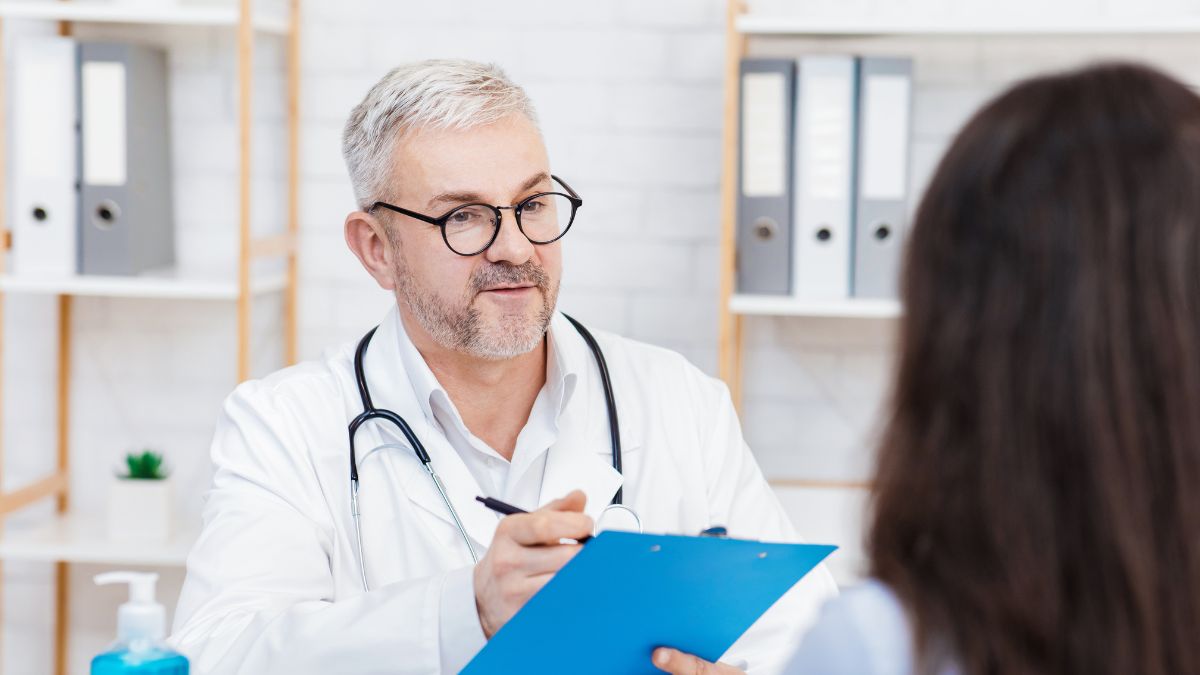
507 509
500 507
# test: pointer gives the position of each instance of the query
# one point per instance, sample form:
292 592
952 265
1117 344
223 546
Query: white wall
629 94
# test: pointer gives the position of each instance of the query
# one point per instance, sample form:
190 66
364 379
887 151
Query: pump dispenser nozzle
141 618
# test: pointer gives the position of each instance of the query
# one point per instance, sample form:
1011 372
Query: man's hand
677 663
524 555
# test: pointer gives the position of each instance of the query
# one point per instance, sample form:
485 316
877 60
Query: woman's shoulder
864 631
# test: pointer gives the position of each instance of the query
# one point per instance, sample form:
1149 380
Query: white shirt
518 482
865 631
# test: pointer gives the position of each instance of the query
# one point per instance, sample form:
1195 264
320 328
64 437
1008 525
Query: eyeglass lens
543 219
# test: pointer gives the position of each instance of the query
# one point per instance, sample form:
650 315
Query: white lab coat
273 584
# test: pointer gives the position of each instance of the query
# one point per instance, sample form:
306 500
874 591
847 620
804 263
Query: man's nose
511 245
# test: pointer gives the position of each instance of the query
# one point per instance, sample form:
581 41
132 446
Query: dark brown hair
1037 497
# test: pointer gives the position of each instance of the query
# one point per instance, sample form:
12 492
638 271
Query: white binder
825 136
885 102
44 175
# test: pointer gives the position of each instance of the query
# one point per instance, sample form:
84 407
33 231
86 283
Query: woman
1037 499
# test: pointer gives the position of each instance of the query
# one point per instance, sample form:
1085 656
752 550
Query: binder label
885 135
104 161
828 134
764 135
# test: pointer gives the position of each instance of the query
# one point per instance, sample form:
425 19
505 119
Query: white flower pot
139 509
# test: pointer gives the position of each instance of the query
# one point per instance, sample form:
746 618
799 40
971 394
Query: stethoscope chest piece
618 517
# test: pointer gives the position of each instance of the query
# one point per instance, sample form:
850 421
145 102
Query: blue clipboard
625 594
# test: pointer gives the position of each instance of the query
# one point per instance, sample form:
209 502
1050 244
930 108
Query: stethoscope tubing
370 412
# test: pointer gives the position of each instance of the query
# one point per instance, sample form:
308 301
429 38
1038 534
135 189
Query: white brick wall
629 94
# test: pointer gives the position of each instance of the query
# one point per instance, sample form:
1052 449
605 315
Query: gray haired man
488 390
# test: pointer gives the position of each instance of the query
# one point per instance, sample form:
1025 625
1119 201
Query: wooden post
63 464
62 616
5 243
62 590
729 329
245 61
293 178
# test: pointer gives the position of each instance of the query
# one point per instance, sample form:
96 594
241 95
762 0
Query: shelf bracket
20 498
273 245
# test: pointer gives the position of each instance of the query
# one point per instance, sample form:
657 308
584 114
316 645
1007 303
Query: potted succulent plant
139 501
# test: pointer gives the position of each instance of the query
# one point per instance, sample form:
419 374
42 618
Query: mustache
527 272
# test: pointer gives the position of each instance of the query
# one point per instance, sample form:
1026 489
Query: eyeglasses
471 228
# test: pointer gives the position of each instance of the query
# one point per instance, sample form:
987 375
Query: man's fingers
677 663
547 559
574 501
534 584
544 527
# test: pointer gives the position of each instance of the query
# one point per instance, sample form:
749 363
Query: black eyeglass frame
440 221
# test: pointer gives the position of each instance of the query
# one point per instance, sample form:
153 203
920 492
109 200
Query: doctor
461 219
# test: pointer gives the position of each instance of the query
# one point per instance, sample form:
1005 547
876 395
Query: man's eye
533 206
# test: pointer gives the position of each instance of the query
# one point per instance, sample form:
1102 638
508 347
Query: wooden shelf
1001 26
82 537
78 538
767 305
162 13
164 284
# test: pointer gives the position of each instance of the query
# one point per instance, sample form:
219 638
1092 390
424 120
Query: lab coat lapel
391 389
582 457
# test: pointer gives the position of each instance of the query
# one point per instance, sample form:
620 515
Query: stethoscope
615 512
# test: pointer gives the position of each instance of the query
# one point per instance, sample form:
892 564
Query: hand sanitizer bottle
141 627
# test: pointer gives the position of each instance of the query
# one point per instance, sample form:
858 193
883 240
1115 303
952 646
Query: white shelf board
998 26
163 13
768 305
80 538
165 284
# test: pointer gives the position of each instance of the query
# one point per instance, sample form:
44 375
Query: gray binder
764 208
884 127
125 217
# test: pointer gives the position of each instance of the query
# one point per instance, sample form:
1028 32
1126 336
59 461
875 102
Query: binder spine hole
764 229
882 233
106 214
824 234
655 548
762 555
39 214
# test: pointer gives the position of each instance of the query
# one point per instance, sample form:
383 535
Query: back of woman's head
1037 499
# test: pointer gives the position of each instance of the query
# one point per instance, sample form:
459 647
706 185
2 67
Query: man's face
496 304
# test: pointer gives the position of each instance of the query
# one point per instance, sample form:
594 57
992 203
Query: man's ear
366 237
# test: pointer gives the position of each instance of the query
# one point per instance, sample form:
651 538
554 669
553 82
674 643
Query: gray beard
462 328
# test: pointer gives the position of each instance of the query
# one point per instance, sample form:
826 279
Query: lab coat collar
581 459
392 389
